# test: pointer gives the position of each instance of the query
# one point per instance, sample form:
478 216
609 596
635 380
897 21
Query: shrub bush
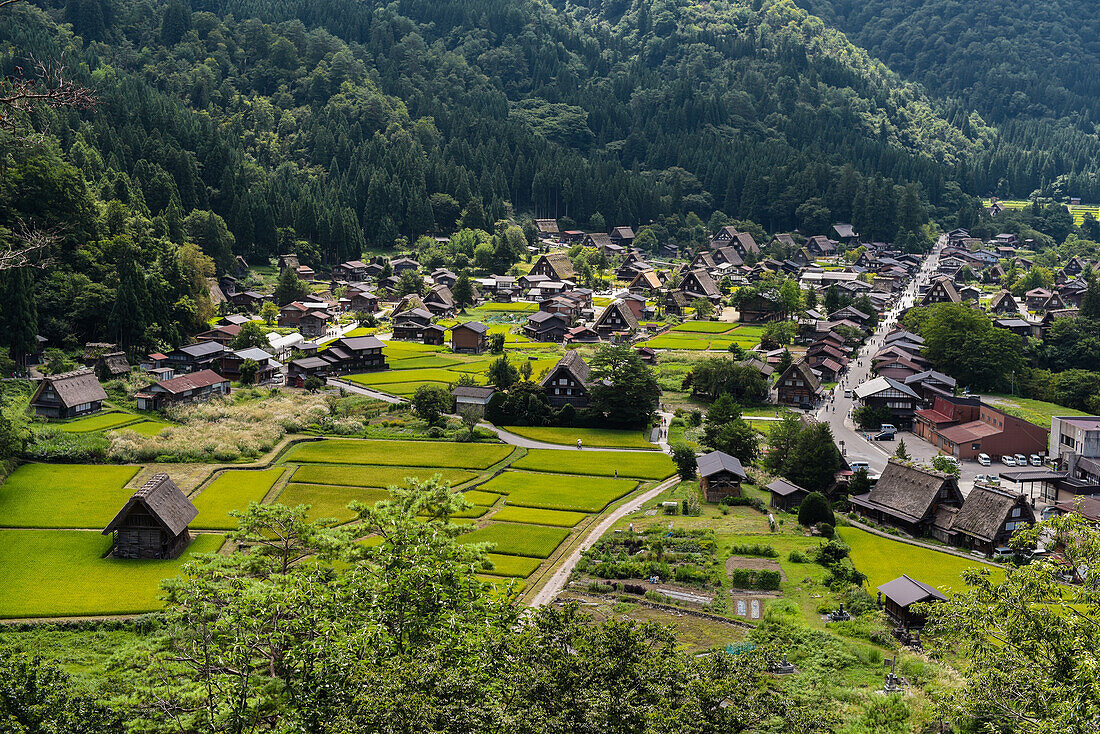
757 549
814 509
826 530
797 556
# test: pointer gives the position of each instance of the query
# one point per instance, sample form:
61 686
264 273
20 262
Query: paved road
360 390
557 582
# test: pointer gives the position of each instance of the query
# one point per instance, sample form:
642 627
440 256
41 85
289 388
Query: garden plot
589 436
536 541
231 490
64 495
375 476
399 453
59 573
327 500
559 491
635 464
100 422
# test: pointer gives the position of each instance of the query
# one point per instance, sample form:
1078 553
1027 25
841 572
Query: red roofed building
965 427
195 387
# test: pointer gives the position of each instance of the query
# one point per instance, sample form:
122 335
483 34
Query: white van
984 460
1021 460
1007 460
1035 460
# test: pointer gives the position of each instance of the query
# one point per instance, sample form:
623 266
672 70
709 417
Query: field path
557 582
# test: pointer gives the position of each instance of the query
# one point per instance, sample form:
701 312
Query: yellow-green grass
637 464
402 350
61 573
425 374
559 491
430 454
413 363
329 500
882 560
506 307
64 495
1033 411
231 490
375 476
608 437
517 566
722 343
536 516
749 330
510 539
679 341
705 327
484 499
405 389
146 428
99 422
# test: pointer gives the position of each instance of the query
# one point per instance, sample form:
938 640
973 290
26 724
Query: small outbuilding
472 398
720 475
898 596
786 495
471 337
153 523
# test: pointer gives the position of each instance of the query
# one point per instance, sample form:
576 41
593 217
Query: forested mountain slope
1032 67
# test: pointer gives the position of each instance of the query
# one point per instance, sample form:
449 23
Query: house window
1017 512
557 391
975 446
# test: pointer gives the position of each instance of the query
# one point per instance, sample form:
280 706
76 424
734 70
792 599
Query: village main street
837 409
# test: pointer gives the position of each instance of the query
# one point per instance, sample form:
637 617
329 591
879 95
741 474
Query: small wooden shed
898 596
153 523
720 475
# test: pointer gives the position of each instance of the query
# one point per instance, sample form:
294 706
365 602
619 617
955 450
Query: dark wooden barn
898 596
720 475
153 523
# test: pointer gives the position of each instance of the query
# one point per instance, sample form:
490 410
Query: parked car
857 465
1021 460
1008 460
1035 460
983 459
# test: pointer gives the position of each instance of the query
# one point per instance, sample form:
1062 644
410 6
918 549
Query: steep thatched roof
73 388
910 492
162 499
986 510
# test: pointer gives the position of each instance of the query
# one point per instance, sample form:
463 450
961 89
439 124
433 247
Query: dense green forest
253 127
1027 66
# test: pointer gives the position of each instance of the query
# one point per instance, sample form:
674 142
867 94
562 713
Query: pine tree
18 313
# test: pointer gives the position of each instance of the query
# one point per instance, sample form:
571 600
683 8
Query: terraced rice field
100 422
328 500
399 453
61 573
510 539
535 516
517 566
64 495
231 490
559 491
705 327
606 437
634 464
375 476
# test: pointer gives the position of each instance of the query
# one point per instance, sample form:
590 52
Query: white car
1035 460
857 465
1008 460
983 459
1021 460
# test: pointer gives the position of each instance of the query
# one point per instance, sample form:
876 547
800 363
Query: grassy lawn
559 492
326 500
1033 411
47 573
231 490
590 436
637 464
705 327
400 453
534 516
512 565
883 560
374 476
413 363
535 541
64 495
99 422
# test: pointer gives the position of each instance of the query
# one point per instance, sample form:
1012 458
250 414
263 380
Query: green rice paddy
99 422
399 453
559 491
605 437
375 476
635 464
510 539
64 495
231 490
